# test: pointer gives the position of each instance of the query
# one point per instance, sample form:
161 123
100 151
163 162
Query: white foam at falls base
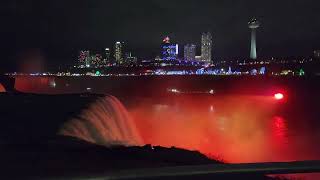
105 122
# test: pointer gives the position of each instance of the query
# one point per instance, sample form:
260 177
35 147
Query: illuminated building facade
119 52
130 60
253 25
107 59
87 60
206 47
190 52
169 51
84 59
96 60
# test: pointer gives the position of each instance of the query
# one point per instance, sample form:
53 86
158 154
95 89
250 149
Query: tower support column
253 51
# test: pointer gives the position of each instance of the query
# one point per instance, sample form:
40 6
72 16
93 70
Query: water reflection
280 130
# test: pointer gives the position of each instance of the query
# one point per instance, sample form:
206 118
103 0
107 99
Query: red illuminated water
234 128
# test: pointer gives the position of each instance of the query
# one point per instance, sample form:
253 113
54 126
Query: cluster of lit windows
86 60
170 51
190 52
206 47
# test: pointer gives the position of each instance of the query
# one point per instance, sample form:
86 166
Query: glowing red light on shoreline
278 96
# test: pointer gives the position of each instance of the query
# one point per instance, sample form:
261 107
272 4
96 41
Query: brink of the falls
105 122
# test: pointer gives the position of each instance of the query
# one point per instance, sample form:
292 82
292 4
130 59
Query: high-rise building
107 59
84 58
170 51
96 60
253 25
206 47
93 62
190 52
119 52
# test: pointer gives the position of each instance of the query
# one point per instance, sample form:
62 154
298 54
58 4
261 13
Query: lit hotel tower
206 47
118 52
253 25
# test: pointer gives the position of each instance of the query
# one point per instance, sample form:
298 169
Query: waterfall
2 89
105 122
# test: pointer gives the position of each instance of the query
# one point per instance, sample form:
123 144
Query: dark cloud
60 28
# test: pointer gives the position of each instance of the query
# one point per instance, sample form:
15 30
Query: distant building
130 60
119 52
84 58
96 60
107 59
190 52
206 47
316 53
169 51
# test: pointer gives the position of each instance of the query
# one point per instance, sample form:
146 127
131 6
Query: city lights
169 50
121 62
190 52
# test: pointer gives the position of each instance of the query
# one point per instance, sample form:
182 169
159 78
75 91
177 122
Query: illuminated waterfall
105 122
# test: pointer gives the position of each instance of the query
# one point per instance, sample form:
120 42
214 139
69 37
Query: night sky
56 30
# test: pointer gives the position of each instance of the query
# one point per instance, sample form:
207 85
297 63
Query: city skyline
168 51
97 25
172 51
160 89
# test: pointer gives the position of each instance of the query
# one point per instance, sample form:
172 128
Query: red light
166 40
278 96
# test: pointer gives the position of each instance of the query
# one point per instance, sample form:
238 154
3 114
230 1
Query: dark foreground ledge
70 158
